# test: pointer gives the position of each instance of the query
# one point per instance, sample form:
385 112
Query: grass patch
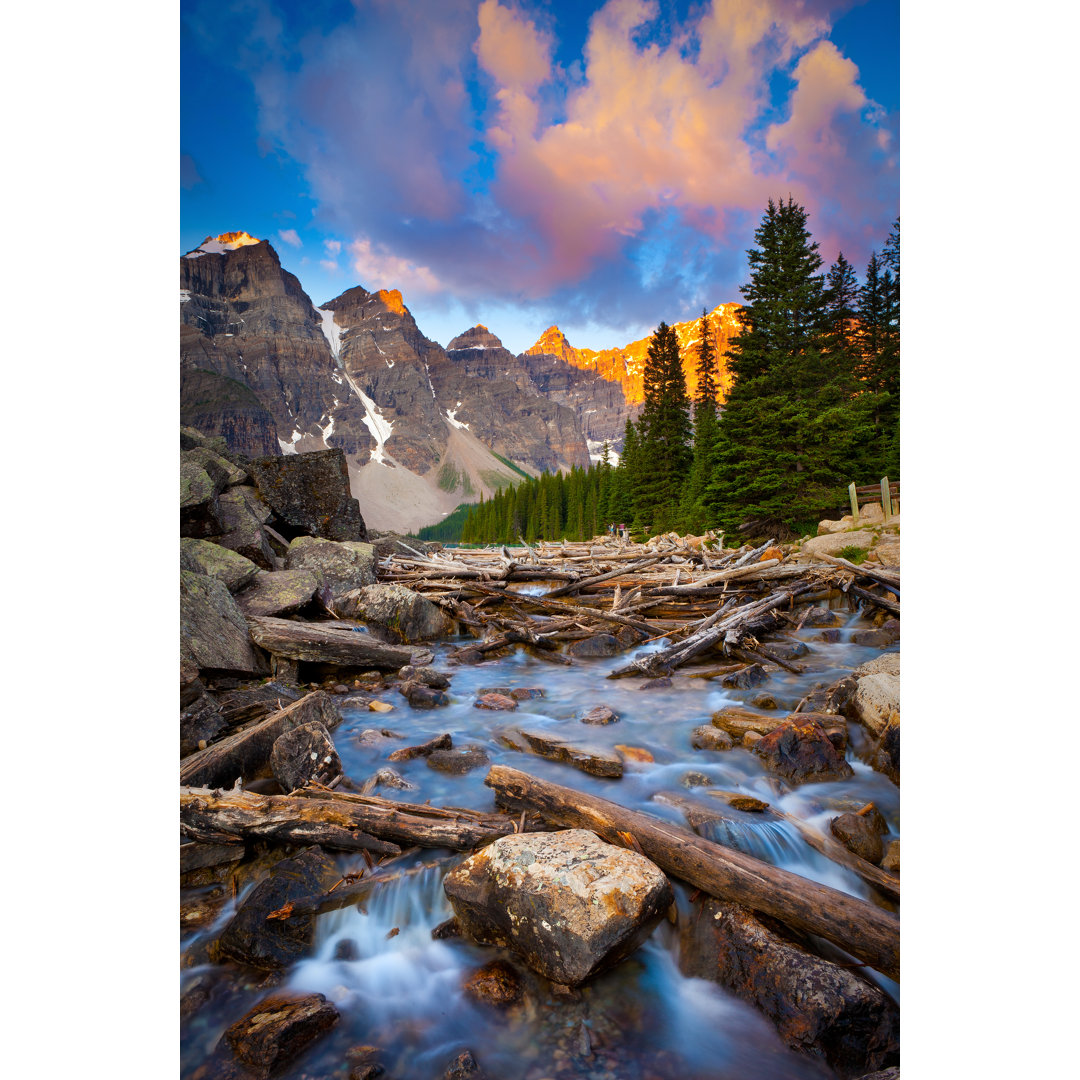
448 478
511 465
853 554
495 480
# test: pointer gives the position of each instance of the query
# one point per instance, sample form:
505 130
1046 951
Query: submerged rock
517 693
596 761
278 1029
819 1008
497 702
600 715
801 752
458 761
407 753
420 696
496 983
568 904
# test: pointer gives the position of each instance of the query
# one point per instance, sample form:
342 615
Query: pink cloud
291 237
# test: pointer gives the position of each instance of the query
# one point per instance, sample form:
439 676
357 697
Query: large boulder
834 543
213 633
886 757
309 494
861 833
339 567
278 593
404 614
568 904
229 567
222 471
802 752
243 515
819 1008
252 937
304 753
599 645
876 700
200 513
887 663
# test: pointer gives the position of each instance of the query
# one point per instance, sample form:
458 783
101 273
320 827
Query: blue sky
599 166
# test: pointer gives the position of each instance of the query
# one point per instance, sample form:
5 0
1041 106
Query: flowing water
402 991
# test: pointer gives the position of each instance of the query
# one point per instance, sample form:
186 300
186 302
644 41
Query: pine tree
694 516
666 434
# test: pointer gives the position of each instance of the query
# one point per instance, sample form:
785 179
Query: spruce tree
666 434
694 516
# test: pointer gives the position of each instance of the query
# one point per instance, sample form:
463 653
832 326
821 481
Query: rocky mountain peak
391 299
218 245
552 342
479 337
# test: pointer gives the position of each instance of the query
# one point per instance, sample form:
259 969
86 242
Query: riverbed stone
339 566
600 715
706 737
891 860
886 757
763 700
876 700
408 753
278 593
458 761
274 944
497 983
518 693
750 676
400 612
213 632
437 680
802 752
595 760
861 834
821 617
879 638
819 1008
566 903
497 702
886 664
599 645
304 753
420 696
278 1029
737 721
229 567
310 495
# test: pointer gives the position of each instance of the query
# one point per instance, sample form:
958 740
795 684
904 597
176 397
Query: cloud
457 156
290 236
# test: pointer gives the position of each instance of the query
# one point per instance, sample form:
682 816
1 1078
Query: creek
402 992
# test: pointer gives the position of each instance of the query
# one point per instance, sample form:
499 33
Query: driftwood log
246 753
332 643
865 931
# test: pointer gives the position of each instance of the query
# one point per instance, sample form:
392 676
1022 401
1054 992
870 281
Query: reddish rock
278 1029
706 737
498 702
600 715
861 834
802 752
753 675
496 983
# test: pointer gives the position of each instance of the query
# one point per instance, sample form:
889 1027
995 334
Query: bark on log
330 643
619 572
246 753
890 606
413 823
211 816
591 613
867 932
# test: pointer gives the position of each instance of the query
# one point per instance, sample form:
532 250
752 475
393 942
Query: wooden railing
888 494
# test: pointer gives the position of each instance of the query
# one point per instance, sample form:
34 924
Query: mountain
265 368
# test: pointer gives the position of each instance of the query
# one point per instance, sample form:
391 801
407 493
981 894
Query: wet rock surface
819 1008
861 833
496 983
600 715
801 752
408 753
496 702
594 760
278 1030
302 754
566 903
707 737
458 761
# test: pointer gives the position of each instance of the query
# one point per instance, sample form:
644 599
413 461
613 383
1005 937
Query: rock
596 646
407 753
498 702
876 700
737 722
885 664
302 754
751 739
566 903
278 1029
763 700
200 723
340 567
496 983
448 928
883 1074
628 637
706 737
886 758
830 697
600 715
275 944
310 495
878 639
347 950
404 614
457 761
694 779
388 777
753 675
192 436
802 752
662 683
861 834
464 1067
243 515
819 1008
518 693
230 568
891 860
278 593
420 696
887 551
200 513
221 471
426 675
213 633
594 760
821 616
256 702
834 543
634 753
830 637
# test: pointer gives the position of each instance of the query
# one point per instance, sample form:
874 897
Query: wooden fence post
886 498
854 501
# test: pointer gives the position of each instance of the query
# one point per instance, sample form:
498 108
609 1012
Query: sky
601 166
